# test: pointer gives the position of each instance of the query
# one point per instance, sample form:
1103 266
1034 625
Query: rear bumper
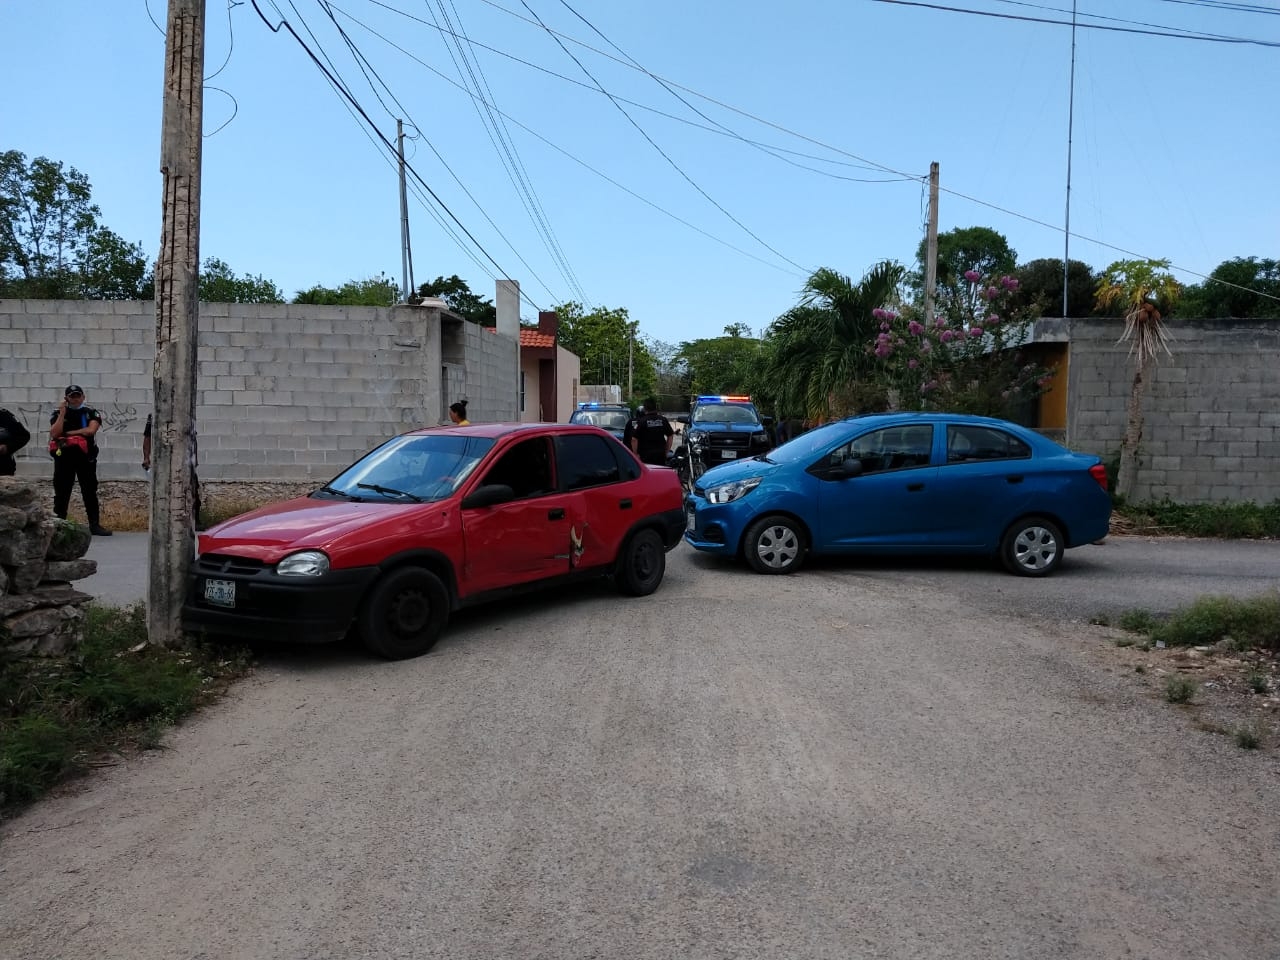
672 527
271 607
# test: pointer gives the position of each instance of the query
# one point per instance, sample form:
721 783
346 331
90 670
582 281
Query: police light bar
724 399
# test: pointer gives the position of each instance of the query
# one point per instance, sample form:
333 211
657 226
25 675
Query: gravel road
856 761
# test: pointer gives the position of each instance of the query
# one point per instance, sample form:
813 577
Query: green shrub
1137 621
1179 689
1247 738
35 751
1226 520
1257 681
1254 622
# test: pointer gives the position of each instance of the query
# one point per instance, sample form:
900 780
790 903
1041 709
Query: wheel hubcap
410 612
1035 548
777 546
645 566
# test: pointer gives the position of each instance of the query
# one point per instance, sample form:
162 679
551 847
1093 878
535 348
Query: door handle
556 514
913 487
1016 478
624 504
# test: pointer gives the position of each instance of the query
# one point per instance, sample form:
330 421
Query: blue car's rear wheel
774 544
1032 547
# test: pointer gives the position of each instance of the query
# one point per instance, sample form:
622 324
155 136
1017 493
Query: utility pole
1071 116
172 542
631 339
404 215
931 246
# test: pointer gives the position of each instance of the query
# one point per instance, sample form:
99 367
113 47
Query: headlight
697 439
760 436
308 563
729 492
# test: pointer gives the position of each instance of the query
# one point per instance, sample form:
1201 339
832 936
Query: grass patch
1179 689
1257 681
1125 641
58 713
1226 520
1137 621
1247 738
1246 624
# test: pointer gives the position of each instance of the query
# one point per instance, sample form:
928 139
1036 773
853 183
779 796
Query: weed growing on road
1247 738
1257 681
1137 621
1179 689
1247 624
113 693
1222 520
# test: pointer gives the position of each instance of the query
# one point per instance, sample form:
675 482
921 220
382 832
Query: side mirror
488 495
849 468
683 418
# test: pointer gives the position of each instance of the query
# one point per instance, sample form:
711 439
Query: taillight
1099 473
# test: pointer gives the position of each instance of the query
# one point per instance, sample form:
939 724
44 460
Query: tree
602 338
815 362
114 269
1243 288
721 364
1040 288
455 292
47 218
370 292
219 284
1145 291
960 250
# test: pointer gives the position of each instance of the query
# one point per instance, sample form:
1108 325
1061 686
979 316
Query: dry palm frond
1145 330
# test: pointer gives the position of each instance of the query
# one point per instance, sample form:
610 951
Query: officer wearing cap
75 456
651 434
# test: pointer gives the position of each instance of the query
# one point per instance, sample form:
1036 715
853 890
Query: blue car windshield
725 413
412 468
809 445
615 420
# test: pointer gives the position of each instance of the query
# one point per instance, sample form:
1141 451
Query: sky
658 203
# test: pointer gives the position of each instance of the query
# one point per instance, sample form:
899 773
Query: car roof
495 431
904 417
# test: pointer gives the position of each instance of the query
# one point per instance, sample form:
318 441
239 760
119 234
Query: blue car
904 483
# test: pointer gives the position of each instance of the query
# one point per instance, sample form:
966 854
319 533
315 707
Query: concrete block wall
492 361
1212 409
285 392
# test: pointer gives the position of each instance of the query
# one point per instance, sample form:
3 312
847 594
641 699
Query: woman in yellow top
458 413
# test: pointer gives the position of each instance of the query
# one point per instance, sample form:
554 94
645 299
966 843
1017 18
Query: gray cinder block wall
286 392
1212 409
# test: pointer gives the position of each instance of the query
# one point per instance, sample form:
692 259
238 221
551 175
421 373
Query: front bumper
712 528
266 606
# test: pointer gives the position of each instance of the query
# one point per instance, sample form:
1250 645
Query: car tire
641 564
1032 547
774 544
404 614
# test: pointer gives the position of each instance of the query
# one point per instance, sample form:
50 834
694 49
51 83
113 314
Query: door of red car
525 539
601 475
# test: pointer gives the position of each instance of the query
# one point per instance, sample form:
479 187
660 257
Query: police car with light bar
725 428
612 417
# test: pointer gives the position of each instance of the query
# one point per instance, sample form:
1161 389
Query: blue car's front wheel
774 544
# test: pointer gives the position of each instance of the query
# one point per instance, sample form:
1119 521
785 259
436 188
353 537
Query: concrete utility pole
931 246
1071 118
177 323
404 215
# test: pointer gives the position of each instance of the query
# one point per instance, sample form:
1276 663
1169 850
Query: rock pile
39 556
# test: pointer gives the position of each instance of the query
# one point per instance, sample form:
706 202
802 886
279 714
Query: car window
628 469
724 413
411 466
891 448
969 442
586 461
605 419
525 468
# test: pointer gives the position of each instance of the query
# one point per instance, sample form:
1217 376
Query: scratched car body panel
471 513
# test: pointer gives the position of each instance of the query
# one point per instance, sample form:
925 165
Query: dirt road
826 765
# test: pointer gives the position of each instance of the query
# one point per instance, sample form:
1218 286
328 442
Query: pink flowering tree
966 359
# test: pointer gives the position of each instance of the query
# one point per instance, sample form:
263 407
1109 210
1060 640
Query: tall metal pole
931 246
1071 116
631 339
404 216
172 542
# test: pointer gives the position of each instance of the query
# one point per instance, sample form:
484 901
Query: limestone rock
12 518
29 543
36 623
16 492
4 581
70 569
11 603
70 541
59 596
26 577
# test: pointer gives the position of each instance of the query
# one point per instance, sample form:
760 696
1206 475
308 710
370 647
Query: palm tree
817 356
1141 288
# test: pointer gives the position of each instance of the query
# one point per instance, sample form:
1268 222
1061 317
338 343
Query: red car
432 521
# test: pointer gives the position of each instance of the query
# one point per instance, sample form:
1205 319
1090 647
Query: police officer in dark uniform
651 435
75 456
13 437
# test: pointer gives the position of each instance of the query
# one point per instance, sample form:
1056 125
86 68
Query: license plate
689 522
728 454
220 593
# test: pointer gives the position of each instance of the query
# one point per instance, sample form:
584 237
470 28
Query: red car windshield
412 468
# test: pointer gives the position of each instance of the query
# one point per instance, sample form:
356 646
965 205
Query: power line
1189 34
362 59
1227 6
284 23
1169 32
582 163
675 166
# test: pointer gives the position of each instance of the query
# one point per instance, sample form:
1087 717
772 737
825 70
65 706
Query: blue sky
1175 143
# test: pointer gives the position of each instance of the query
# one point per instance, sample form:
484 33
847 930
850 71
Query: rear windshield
607 419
